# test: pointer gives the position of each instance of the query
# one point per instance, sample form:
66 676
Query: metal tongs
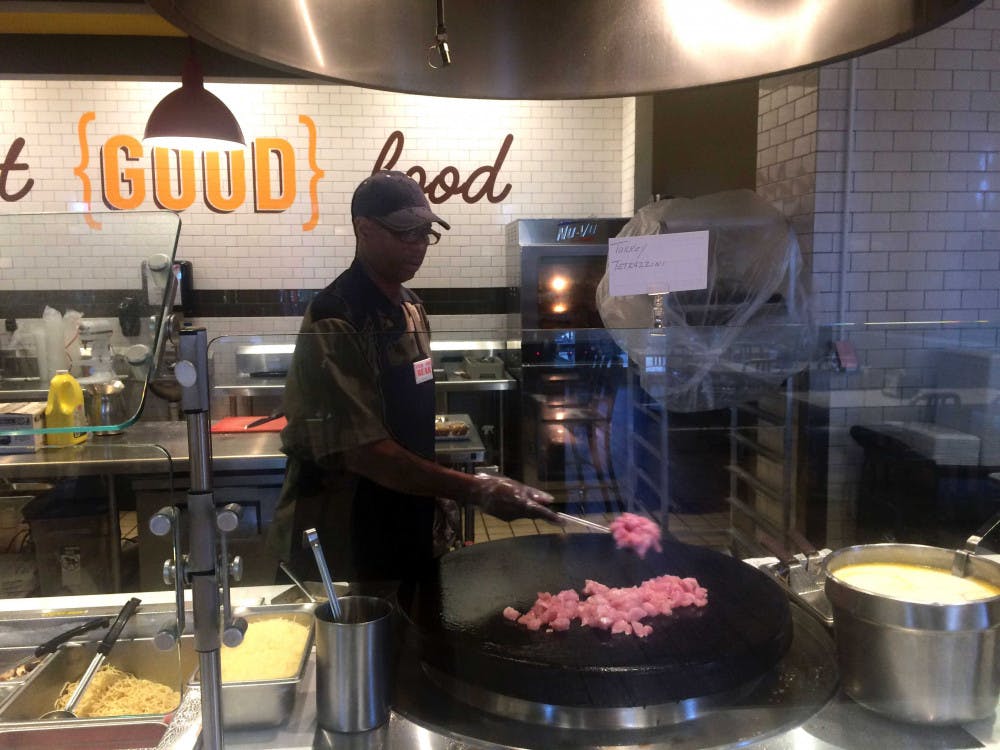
584 522
51 646
103 649
312 538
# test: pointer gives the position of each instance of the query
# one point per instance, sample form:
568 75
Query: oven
571 370
560 262
579 411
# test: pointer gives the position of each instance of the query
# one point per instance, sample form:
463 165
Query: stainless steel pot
928 663
105 403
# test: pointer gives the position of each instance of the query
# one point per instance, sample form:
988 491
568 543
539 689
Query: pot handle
961 560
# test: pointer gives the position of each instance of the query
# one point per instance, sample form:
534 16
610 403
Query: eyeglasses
413 236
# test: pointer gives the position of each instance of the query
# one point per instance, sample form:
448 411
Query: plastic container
65 409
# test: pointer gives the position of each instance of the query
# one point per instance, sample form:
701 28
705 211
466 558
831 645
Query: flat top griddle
453 613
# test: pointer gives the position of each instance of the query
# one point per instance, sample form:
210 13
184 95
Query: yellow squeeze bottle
65 409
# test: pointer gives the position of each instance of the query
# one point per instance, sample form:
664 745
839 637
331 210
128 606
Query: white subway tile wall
567 158
920 237
628 157
923 235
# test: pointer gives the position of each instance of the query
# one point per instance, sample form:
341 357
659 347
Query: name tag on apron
423 371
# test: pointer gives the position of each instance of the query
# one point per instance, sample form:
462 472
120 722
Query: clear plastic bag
738 339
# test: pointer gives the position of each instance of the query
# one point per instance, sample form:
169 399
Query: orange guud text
172 176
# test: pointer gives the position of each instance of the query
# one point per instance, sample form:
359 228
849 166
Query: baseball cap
394 199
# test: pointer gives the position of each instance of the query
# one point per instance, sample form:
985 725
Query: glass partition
67 520
882 432
885 433
891 438
86 293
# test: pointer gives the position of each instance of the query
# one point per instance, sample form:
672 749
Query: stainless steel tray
10 657
263 703
114 734
43 686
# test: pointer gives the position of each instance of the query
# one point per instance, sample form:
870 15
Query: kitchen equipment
583 522
453 608
103 649
264 360
487 367
31 661
244 424
353 664
653 47
95 349
294 579
261 703
312 538
928 663
264 420
105 402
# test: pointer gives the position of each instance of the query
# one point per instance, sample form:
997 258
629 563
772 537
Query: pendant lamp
192 118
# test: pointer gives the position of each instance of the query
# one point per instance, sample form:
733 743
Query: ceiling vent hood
550 49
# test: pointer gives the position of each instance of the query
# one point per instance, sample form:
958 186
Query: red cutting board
238 424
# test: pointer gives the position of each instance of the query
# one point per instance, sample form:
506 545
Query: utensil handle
119 624
324 572
973 542
264 420
96 663
584 522
287 571
51 645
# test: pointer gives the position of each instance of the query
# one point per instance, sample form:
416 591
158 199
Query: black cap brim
411 218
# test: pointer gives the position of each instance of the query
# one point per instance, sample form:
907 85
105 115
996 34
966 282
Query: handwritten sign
658 263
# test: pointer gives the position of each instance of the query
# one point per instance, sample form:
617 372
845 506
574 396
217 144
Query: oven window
567 291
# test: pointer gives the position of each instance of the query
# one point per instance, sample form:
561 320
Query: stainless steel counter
424 718
250 387
145 448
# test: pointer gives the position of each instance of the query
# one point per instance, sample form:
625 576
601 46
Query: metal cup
353 664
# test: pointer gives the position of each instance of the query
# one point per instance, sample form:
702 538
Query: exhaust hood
550 49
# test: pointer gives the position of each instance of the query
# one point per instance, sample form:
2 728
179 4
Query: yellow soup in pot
915 583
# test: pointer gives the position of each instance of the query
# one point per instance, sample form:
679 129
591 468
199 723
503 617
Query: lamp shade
192 118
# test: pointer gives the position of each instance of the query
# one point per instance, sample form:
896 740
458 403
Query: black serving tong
52 645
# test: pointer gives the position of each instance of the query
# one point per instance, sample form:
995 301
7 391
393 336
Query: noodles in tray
114 692
272 649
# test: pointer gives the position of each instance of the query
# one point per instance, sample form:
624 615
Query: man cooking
359 400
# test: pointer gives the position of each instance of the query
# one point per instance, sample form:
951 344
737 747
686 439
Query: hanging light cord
441 39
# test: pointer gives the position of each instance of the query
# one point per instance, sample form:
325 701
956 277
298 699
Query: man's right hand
508 499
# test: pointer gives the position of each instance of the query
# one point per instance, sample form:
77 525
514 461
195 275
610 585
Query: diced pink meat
620 610
631 531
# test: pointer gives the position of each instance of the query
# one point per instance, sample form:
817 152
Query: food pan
118 734
10 657
929 663
140 657
263 703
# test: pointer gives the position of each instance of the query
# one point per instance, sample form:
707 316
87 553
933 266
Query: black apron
392 532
